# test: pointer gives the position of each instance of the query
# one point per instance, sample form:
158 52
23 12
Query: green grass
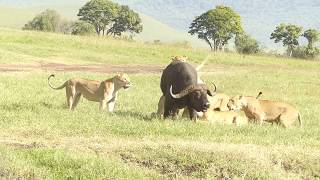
40 138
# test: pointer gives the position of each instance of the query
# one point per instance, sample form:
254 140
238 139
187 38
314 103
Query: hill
41 139
25 11
259 17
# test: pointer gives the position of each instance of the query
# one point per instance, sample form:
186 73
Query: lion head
123 80
236 103
180 58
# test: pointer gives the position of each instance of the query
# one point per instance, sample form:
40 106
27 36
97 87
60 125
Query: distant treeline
102 17
216 27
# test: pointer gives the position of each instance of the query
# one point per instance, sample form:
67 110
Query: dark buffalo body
183 79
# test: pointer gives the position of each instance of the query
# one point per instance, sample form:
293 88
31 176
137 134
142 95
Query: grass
40 138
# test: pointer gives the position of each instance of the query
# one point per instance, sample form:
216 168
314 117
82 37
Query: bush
82 28
246 44
306 52
49 21
46 21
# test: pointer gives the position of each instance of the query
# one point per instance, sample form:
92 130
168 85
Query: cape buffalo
181 89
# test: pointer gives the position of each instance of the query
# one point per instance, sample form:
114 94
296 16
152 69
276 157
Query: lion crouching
226 118
265 110
104 92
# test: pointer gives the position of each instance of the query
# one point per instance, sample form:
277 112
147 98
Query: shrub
246 44
82 28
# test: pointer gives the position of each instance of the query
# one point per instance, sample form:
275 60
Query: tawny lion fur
104 92
226 118
265 110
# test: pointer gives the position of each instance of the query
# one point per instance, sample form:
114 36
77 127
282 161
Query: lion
226 118
104 92
219 102
179 58
265 110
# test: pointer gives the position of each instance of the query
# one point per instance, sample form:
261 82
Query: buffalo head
197 95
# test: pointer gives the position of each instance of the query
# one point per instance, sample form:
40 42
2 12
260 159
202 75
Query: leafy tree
126 20
99 13
288 34
46 21
312 35
217 26
246 44
82 28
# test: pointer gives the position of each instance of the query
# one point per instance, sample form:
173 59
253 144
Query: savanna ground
40 138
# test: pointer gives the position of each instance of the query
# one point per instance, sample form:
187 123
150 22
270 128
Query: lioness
219 102
265 110
104 92
179 58
227 118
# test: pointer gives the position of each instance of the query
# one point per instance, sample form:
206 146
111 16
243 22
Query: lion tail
300 121
202 64
55 88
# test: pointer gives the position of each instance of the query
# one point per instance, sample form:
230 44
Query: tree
217 26
46 21
312 35
288 34
126 20
246 44
99 13
82 28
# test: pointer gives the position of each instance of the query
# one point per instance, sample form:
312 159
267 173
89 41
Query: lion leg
111 104
160 110
167 108
70 97
76 101
285 120
260 119
103 104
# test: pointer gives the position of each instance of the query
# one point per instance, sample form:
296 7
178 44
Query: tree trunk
97 31
207 40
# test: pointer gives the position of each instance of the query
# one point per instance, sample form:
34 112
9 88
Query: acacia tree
288 34
217 26
126 20
99 13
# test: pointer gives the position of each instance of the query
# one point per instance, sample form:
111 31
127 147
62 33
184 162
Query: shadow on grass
136 115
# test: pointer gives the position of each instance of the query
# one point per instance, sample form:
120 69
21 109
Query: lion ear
240 97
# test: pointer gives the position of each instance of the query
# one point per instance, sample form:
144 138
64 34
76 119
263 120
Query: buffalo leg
193 114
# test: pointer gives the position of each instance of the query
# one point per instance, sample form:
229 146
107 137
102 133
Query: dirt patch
102 68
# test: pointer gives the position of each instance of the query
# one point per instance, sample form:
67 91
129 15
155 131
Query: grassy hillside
153 29
40 138
14 17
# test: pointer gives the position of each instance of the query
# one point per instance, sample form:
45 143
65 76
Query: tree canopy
217 26
99 13
109 17
312 35
126 20
288 34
